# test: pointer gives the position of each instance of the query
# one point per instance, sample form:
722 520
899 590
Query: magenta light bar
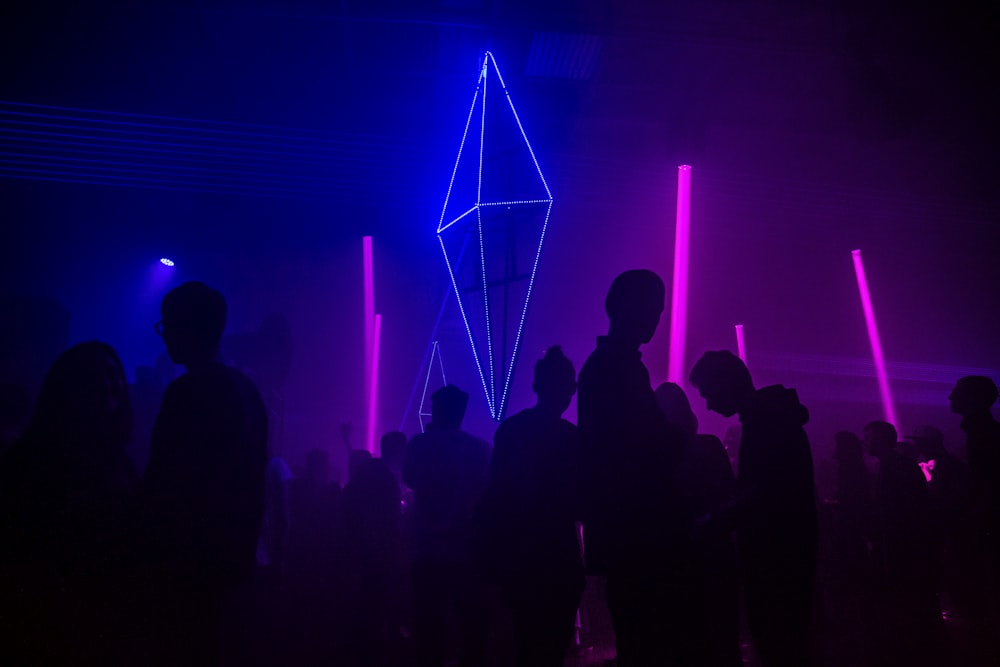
678 299
741 345
369 318
877 357
373 385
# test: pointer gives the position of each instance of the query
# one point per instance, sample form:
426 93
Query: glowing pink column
678 298
876 344
373 385
369 319
741 346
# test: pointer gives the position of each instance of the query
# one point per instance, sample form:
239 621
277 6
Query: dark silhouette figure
854 527
904 553
65 491
952 497
372 543
972 398
629 455
774 512
315 558
448 471
203 491
711 570
850 597
392 447
534 508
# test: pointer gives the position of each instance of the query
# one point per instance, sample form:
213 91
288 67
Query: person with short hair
632 517
448 470
533 497
774 512
203 490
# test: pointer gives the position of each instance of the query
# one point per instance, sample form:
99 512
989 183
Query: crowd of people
448 549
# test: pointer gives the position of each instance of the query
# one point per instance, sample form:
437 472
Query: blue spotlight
166 262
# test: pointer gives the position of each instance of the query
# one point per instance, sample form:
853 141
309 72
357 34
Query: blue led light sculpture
497 199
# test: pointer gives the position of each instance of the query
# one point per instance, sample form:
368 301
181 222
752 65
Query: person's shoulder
517 420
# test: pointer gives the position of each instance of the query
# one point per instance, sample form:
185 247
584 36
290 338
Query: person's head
392 446
555 380
193 319
848 448
929 441
634 305
85 397
973 394
356 459
676 407
448 407
880 437
723 381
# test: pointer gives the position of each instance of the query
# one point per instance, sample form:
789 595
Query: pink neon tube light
678 298
373 385
369 318
876 344
741 346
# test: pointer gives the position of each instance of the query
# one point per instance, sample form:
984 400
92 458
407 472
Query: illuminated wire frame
435 352
492 197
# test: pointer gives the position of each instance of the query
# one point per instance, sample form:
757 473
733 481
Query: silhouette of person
853 528
203 490
314 560
66 488
904 551
850 599
533 491
631 508
706 482
448 471
372 542
972 398
952 496
774 512
392 446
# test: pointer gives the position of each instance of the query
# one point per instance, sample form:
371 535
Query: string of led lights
495 388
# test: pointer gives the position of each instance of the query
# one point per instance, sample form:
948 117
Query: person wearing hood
774 511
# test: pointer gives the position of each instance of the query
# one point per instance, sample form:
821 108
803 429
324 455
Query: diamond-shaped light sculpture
498 204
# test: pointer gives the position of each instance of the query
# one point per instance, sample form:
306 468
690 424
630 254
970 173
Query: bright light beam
741 345
373 384
678 298
876 344
369 316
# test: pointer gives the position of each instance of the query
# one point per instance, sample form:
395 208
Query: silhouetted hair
392 445
62 410
199 306
448 406
676 407
554 368
633 291
981 389
848 447
883 430
720 367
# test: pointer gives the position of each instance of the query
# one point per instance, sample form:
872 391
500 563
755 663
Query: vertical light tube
876 343
373 385
741 345
369 319
678 299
